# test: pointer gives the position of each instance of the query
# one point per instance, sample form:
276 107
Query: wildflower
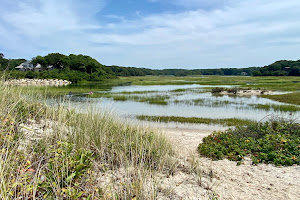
28 162
30 170
283 140
294 157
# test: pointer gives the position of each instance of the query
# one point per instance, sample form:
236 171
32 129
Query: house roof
38 66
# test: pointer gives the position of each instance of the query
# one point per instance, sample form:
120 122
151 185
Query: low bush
217 90
273 141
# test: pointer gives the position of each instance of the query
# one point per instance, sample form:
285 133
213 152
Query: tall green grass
69 161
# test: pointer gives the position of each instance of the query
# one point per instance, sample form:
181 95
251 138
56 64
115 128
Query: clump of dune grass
82 148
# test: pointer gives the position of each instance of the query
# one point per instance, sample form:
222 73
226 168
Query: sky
156 34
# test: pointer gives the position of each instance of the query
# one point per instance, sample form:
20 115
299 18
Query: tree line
78 68
280 68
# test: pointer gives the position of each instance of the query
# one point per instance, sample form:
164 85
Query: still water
182 100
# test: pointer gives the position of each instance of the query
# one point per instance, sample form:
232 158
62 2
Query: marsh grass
210 102
195 120
81 147
292 98
157 99
284 108
269 83
151 99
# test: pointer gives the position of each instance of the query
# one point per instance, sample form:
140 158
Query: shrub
274 141
217 90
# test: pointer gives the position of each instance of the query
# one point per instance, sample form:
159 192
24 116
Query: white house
25 66
28 66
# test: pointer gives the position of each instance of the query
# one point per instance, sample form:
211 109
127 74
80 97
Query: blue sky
154 33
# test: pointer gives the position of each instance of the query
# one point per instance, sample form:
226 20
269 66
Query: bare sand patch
224 179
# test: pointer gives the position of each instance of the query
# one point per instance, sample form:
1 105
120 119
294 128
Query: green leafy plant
274 141
65 171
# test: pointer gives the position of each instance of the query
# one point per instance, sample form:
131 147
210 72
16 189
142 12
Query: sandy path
229 181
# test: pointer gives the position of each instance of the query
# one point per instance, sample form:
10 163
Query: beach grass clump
275 141
118 144
67 156
195 120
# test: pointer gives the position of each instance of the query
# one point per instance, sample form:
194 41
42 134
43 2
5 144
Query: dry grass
78 148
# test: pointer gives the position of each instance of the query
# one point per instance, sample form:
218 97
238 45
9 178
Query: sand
198 177
223 179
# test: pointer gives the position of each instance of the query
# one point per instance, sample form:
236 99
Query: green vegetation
77 68
77 155
290 108
280 68
195 120
274 141
281 83
153 99
207 102
179 90
232 90
157 99
292 98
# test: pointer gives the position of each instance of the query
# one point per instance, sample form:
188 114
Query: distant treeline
279 68
80 67
133 71
75 68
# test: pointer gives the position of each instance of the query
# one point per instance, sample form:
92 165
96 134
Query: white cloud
239 33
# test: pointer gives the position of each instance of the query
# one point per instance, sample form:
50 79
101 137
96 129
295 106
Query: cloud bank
221 33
